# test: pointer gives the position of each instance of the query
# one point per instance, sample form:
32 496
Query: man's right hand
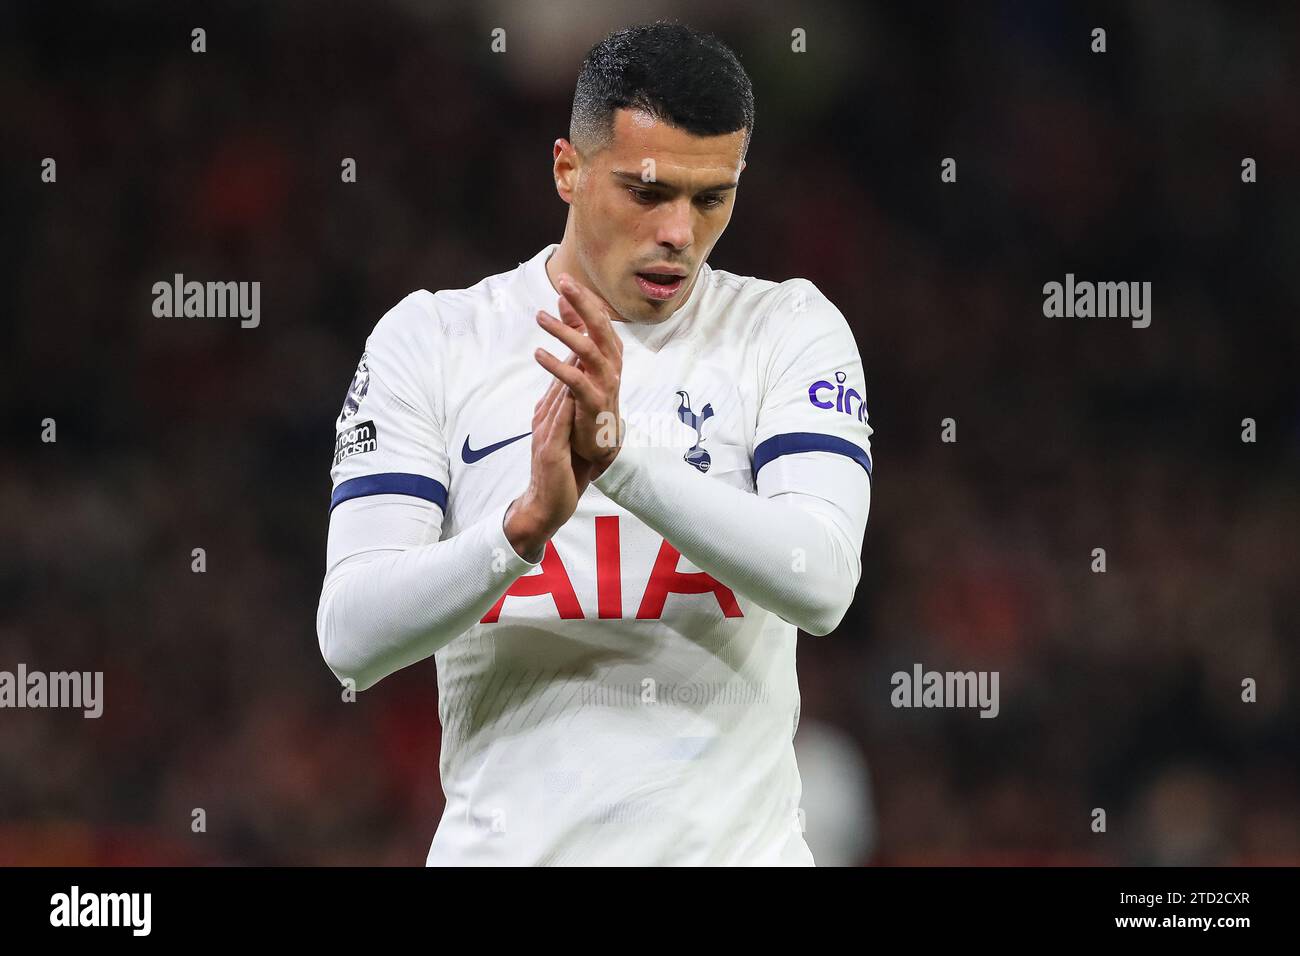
558 478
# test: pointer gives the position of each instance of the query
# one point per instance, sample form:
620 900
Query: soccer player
608 555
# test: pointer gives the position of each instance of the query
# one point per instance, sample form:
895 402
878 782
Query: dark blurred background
1119 690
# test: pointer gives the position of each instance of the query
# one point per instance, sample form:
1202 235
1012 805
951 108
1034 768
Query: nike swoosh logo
470 455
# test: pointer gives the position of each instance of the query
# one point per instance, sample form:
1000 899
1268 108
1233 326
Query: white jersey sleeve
388 437
394 592
813 436
812 421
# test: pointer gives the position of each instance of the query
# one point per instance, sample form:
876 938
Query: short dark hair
682 77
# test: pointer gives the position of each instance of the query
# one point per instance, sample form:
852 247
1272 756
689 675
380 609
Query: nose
675 224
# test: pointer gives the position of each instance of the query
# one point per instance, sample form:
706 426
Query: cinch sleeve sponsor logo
834 395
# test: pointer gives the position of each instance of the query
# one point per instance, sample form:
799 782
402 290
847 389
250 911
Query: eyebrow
636 178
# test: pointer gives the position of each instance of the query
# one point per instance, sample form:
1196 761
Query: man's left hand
587 330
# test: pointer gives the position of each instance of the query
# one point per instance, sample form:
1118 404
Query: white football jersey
618 705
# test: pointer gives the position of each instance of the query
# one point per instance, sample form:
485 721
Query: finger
577 381
543 408
571 316
552 396
581 345
568 316
543 404
548 396
573 381
557 389
564 418
591 311
558 426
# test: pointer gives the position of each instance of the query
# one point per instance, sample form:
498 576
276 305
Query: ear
566 164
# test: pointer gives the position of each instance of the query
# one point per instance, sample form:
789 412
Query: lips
660 285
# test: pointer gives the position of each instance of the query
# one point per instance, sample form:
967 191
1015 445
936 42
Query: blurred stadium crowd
1119 690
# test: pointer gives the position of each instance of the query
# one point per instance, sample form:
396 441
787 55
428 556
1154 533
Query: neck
565 259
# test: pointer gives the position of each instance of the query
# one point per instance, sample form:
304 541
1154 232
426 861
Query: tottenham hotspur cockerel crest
695 455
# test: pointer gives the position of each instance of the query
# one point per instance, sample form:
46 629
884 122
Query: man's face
647 210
